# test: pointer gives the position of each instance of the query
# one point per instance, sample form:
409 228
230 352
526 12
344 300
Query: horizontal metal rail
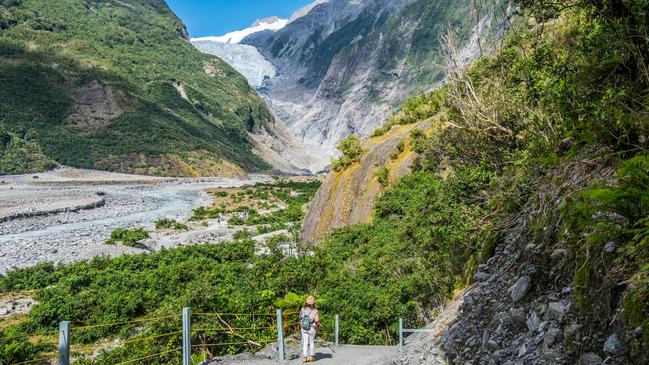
31 361
66 328
410 330
149 357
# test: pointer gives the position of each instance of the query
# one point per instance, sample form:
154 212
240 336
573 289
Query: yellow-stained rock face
347 197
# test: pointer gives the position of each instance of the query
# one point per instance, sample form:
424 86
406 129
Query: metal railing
410 330
66 327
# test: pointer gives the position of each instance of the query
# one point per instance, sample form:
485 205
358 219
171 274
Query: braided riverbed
66 215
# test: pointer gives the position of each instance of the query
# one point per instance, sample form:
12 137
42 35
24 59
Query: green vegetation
294 195
119 61
166 223
128 237
520 132
614 220
528 138
417 109
19 155
351 149
202 213
361 281
382 175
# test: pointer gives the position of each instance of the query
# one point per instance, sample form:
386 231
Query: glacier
244 58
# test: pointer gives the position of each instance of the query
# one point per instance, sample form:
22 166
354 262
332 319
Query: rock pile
517 313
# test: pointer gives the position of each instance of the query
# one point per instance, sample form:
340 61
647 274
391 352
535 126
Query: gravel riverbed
66 215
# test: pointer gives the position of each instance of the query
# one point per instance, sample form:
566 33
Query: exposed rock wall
346 66
521 308
347 197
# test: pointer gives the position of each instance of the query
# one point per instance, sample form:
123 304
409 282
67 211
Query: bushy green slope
93 81
18 155
558 122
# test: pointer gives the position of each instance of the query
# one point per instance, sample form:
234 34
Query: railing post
187 336
400 334
64 343
280 336
337 328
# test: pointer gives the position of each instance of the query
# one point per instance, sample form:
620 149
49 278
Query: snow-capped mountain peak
272 23
268 21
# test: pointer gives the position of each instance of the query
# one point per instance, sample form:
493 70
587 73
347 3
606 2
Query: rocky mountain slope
347 197
522 307
345 66
116 85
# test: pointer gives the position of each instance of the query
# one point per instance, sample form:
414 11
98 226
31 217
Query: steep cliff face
347 197
341 66
345 66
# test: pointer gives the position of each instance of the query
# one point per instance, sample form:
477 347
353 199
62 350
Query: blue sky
217 17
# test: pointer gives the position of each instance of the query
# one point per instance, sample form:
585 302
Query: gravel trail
341 355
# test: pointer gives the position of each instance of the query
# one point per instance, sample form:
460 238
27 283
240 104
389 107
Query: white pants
308 339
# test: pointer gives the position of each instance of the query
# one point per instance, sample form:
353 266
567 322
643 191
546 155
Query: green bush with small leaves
351 150
127 237
166 223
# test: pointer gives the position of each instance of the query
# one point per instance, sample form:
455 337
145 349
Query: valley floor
67 214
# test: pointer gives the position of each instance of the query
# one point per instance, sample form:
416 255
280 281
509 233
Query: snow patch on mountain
272 23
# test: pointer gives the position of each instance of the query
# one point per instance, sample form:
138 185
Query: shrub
242 234
351 149
202 213
127 237
383 175
166 223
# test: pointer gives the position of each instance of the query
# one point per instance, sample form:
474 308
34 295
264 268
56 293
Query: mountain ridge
340 67
116 85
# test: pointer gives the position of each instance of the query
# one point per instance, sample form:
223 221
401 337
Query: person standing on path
310 320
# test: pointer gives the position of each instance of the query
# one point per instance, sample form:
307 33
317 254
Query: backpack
306 323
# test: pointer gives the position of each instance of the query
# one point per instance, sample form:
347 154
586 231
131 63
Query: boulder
552 336
481 276
520 288
610 247
557 310
518 315
590 358
612 345
533 322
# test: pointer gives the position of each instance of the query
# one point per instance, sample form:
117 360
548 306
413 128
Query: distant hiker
310 320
